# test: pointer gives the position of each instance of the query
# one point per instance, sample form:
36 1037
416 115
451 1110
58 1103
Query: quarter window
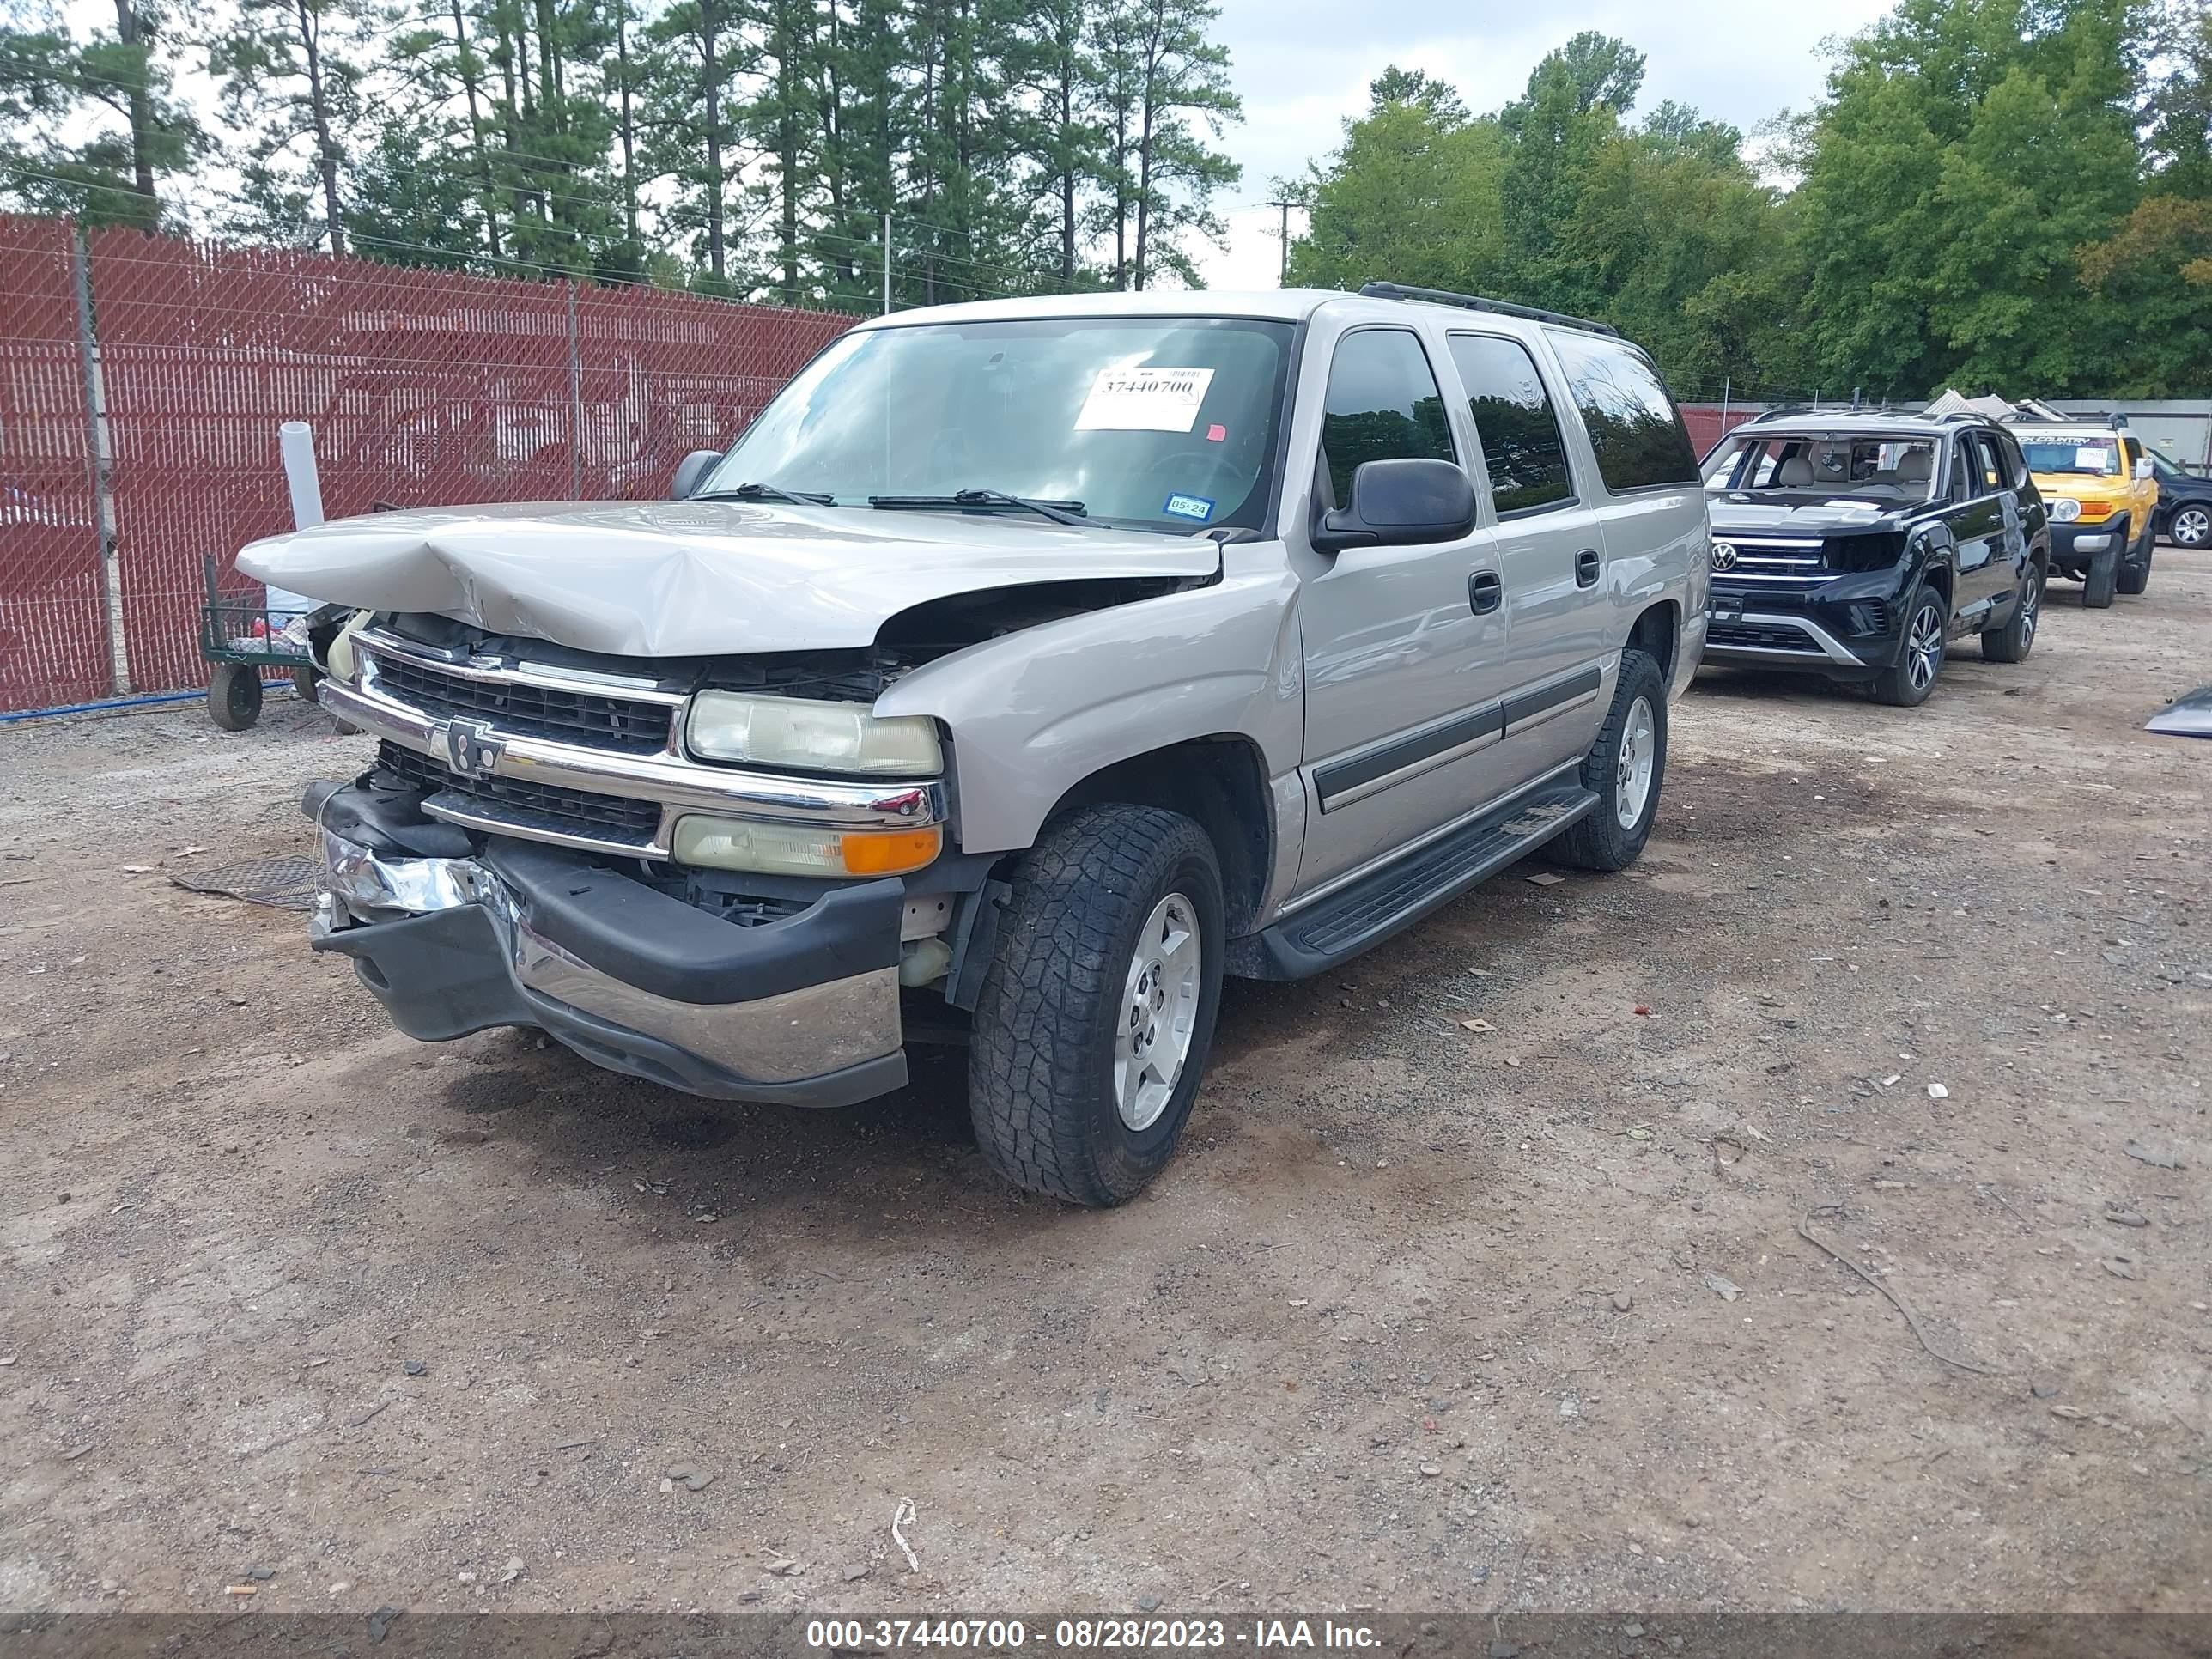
1633 424
1515 421
1383 405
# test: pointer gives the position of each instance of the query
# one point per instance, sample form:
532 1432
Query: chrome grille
527 708
1754 556
545 809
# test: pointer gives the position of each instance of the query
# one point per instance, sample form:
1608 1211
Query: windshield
1850 466
1157 422
2096 458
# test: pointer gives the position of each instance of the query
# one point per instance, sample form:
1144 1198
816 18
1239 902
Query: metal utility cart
239 639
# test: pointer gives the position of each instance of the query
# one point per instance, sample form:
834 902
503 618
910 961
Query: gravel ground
1422 1317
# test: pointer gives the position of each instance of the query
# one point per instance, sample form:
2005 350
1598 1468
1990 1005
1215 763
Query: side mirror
1400 503
2143 468
691 469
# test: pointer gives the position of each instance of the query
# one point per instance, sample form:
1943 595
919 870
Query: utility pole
1283 274
887 264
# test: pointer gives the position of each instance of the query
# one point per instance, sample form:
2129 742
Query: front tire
2191 526
1097 1013
1907 683
2102 580
1624 770
2134 574
2011 642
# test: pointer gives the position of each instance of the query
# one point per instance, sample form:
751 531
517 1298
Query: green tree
1168 99
290 76
89 127
1965 150
692 124
1411 196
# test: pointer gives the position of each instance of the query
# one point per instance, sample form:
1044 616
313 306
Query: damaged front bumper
803 1011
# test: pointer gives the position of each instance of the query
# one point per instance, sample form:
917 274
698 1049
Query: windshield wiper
1058 511
767 492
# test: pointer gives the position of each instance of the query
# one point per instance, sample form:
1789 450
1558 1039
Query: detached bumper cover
801 1011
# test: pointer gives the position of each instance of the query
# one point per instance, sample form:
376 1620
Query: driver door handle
1586 567
1485 593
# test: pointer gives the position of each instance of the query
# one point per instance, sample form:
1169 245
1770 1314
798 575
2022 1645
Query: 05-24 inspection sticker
1196 508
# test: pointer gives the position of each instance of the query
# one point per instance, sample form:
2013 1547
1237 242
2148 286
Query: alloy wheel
1639 753
1159 1012
1924 645
2192 526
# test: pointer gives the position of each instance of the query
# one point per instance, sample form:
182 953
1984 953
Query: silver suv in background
1038 661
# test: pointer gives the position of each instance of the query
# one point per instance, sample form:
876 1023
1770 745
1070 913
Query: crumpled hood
679 578
1811 514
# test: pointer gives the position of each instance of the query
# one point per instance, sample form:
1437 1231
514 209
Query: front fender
1033 713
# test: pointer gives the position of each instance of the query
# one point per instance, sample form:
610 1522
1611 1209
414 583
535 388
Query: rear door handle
1485 593
1586 567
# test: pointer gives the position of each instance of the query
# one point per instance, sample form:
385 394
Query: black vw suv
1856 545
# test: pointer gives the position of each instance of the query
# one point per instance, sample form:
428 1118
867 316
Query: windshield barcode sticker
1144 400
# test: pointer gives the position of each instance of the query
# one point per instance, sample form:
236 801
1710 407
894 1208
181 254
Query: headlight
811 737
786 849
2064 509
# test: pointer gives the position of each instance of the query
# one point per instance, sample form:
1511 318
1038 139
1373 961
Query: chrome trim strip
1831 646
1347 878
494 669
493 824
1722 578
663 778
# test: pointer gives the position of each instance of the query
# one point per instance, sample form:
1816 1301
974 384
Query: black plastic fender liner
630 932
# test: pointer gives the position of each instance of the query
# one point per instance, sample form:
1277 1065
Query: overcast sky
1303 65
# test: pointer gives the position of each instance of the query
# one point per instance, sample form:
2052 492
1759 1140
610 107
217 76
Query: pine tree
290 76
89 127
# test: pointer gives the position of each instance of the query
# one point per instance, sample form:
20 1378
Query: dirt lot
1422 1318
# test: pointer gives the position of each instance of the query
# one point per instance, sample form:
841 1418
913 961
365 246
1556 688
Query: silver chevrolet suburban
1026 668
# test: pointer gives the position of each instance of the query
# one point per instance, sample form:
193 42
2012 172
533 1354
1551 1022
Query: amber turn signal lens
889 852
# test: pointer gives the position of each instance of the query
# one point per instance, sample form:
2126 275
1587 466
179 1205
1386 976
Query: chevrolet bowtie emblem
471 751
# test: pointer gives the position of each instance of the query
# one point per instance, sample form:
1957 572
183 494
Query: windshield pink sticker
1144 400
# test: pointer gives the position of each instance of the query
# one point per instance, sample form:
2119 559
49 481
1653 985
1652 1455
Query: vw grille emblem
471 751
1724 556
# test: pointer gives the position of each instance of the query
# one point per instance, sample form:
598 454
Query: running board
1335 929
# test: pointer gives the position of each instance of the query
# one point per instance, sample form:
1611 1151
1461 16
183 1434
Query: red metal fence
424 387
53 638
1708 424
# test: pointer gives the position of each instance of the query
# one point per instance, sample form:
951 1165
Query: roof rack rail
2113 419
1475 302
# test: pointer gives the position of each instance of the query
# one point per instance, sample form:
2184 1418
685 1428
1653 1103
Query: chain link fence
143 380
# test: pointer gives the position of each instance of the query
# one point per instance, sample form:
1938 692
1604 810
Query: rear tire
1624 770
2102 580
2011 642
233 696
1075 1086
1908 682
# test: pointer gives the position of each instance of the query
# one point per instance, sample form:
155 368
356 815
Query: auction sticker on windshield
1144 400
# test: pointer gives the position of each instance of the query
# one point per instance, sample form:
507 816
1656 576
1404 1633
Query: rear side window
1513 418
1383 405
1988 463
1632 422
